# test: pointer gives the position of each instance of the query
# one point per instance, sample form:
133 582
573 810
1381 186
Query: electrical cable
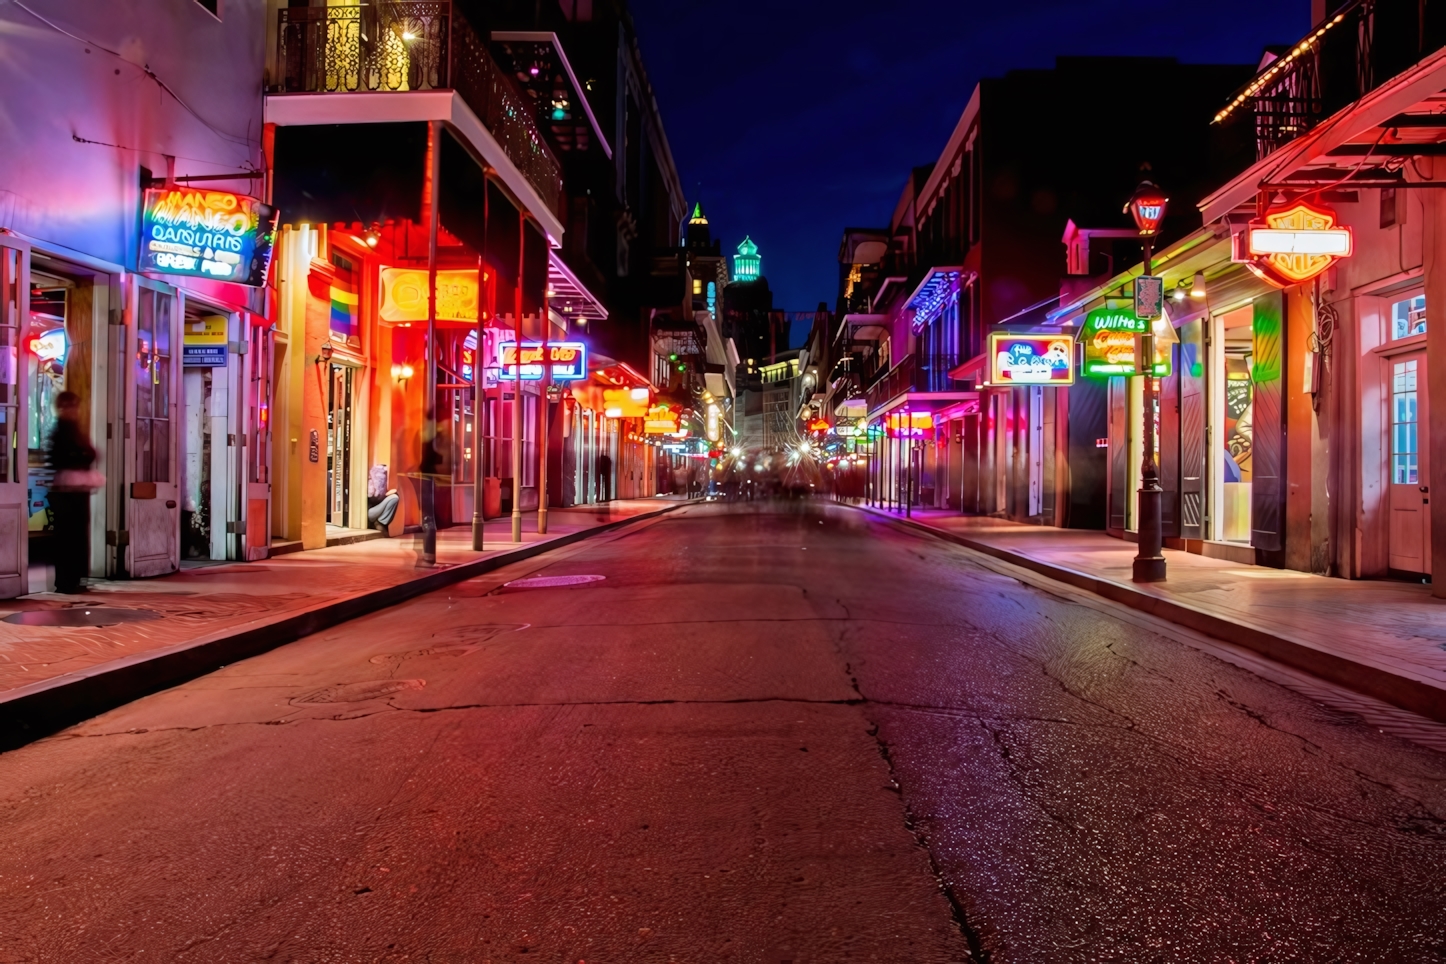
144 69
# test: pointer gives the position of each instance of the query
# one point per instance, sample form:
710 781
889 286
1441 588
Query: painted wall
143 78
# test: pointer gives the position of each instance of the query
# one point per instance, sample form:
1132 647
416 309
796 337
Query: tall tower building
747 265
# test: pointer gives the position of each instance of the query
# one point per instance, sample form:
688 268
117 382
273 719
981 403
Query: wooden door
14 448
1410 533
153 513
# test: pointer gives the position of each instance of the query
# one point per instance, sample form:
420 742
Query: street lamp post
1148 207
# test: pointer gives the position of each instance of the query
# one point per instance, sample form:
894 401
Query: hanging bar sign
568 358
206 234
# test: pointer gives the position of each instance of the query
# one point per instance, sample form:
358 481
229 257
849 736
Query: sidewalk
1382 638
195 620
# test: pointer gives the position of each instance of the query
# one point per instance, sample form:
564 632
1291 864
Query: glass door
338 446
1410 533
256 529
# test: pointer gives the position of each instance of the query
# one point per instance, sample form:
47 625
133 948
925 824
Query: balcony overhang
858 321
923 402
548 39
932 293
569 296
393 107
1358 122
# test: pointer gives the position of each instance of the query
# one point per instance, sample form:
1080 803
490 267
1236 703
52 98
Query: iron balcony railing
407 45
914 373
1354 51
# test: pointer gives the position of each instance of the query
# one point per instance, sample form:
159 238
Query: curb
43 708
1405 692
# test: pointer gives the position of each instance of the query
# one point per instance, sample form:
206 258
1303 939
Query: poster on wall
203 343
1031 359
201 233
1111 339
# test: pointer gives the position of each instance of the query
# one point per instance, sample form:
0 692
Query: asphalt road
771 733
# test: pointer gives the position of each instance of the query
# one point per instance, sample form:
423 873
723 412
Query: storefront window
1237 428
1408 317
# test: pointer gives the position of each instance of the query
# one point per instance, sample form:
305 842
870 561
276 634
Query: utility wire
143 68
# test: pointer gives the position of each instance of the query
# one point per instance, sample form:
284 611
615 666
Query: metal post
542 423
429 383
1149 564
517 384
479 391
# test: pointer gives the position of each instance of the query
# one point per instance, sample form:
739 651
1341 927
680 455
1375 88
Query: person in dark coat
604 477
70 451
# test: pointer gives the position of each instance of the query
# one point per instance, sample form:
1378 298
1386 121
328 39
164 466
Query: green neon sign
1110 339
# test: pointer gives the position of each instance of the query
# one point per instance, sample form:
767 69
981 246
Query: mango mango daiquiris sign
206 234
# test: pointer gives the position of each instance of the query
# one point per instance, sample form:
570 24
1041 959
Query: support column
1434 259
517 383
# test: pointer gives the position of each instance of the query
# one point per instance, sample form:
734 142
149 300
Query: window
153 387
1408 317
697 286
1405 466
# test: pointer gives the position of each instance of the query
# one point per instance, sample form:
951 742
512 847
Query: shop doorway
339 418
152 369
212 443
45 358
1234 413
1410 526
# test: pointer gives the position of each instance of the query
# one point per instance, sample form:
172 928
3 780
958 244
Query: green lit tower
747 265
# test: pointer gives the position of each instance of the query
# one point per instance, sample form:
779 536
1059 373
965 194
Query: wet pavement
769 733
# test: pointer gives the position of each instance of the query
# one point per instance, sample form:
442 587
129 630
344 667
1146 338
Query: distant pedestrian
72 458
604 477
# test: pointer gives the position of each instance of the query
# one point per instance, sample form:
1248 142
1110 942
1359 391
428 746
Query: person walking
72 458
604 477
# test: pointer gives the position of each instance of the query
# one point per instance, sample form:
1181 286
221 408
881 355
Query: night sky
792 119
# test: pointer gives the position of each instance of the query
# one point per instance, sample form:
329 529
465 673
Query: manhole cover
552 582
79 616
360 692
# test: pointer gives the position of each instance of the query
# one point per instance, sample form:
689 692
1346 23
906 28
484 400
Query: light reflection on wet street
769 733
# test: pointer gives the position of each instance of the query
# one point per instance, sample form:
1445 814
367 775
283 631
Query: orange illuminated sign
1293 243
404 295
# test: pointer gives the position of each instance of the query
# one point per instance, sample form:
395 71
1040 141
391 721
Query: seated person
382 502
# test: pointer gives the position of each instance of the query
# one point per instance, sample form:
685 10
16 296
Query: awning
568 296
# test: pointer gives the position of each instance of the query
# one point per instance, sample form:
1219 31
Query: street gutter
40 709
1406 692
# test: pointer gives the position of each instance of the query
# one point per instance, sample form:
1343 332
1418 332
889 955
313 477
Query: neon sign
1293 244
1110 339
1031 359
909 424
661 420
207 234
568 360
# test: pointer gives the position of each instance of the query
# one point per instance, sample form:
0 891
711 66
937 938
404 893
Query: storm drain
551 582
81 617
375 689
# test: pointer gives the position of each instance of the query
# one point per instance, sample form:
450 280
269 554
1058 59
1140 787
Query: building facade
112 290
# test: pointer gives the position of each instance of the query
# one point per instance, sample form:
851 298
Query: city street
781 732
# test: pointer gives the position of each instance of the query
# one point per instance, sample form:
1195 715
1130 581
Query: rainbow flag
344 302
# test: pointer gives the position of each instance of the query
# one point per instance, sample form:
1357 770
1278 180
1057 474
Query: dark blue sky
794 118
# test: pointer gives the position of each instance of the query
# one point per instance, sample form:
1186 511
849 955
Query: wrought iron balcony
914 373
1356 50
409 45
